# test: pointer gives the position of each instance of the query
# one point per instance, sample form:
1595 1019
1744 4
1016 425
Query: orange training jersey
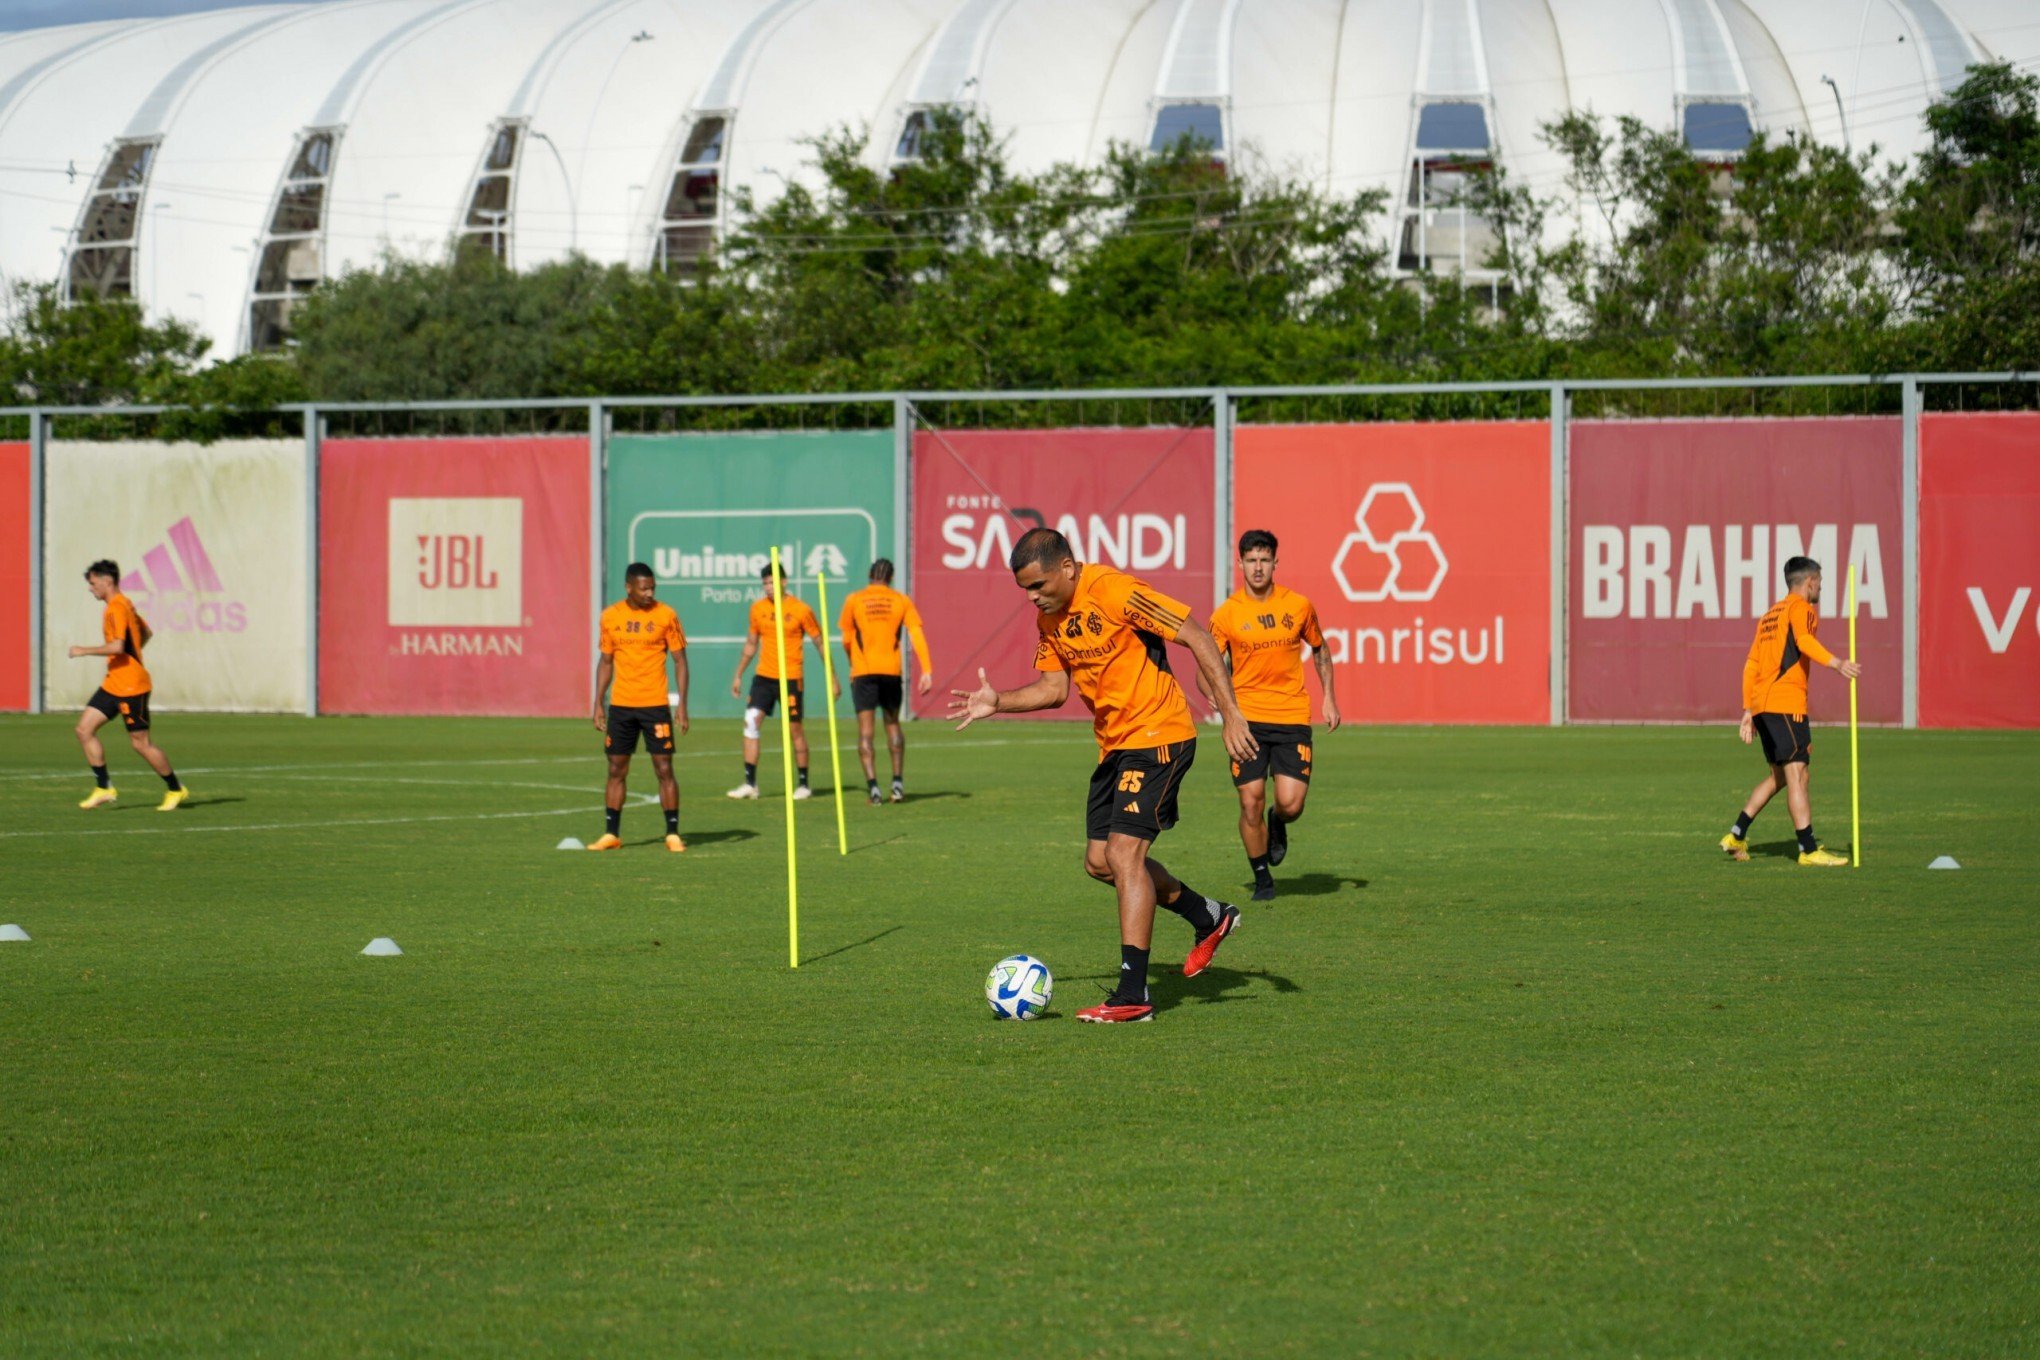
1113 640
1266 639
639 640
870 626
799 620
1774 677
125 675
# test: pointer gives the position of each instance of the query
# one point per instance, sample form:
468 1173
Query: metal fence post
1909 503
598 459
313 437
1561 418
903 456
38 448
1221 495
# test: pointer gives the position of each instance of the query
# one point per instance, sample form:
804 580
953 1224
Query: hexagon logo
1392 556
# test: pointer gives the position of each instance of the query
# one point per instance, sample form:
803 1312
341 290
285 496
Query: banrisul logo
178 589
715 556
456 575
1392 558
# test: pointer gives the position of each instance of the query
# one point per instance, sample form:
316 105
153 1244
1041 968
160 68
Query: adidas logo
173 597
1131 807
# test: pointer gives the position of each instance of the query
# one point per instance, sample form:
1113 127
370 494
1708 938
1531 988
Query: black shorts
1133 792
1787 738
765 697
627 724
876 691
1285 750
133 710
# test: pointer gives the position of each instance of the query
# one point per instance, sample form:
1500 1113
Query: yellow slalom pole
786 765
829 678
1855 762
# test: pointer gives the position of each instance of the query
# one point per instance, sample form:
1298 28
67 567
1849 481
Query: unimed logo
190 600
457 562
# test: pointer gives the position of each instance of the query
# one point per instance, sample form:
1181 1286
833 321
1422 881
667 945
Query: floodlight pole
1840 112
573 209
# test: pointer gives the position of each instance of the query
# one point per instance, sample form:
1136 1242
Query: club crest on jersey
1094 624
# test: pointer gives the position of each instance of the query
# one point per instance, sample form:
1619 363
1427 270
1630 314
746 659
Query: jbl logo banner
1680 532
210 544
455 576
1980 570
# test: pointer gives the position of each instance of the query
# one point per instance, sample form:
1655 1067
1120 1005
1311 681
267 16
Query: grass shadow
858 944
1315 885
1215 985
873 845
728 833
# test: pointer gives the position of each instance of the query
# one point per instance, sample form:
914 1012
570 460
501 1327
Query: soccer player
638 634
872 621
123 694
801 624
1774 709
1106 632
1262 631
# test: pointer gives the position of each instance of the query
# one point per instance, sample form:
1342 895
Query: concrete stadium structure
218 164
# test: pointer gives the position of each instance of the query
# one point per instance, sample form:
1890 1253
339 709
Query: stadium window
291 259
102 259
1200 123
693 203
1440 233
486 225
912 133
1716 130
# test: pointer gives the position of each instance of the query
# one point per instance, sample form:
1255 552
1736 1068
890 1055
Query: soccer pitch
1516 1064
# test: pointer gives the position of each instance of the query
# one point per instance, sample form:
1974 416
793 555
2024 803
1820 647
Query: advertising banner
454 576
16 578
704 512
210 540
1680 530
1980 570
1425 549
1139 500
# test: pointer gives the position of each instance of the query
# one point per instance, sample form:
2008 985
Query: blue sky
19 14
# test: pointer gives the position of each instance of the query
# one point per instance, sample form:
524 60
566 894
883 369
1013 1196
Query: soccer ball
1019 987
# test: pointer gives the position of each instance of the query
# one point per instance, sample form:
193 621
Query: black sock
613 819
871 785
1132 974
1742 824
1807 844
1193 907
1260 868
672 821
100 776
750 772
803 776
170 781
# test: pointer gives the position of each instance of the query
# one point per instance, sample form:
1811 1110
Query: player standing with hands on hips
1107 633
873 619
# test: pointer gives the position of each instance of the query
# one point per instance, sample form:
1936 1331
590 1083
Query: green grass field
1516 1065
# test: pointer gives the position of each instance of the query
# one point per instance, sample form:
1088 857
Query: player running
1106 631
1774 709
800 623
638 634
870 626
124 694
1262 631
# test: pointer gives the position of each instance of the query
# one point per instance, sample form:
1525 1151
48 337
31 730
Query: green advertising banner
704 511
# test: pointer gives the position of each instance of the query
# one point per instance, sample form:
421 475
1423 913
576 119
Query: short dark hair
106 567
1042 548
882 570
1797 569
1256 538
638 571
765 572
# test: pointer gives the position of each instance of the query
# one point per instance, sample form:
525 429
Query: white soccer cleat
802 792
744 791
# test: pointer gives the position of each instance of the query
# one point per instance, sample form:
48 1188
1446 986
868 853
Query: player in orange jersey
1774 709
1262 630
124 694
873 619
1107 634
638 634
801 624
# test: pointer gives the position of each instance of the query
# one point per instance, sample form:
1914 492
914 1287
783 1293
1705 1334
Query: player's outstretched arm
1217 685
1049 690
605 670
1322 659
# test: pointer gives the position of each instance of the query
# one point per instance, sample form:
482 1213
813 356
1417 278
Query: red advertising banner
1140 500
454 576
16 577
1425 549
1680 530
1980 570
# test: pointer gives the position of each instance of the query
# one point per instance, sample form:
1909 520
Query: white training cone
570 843
382 944
12 933
1944 862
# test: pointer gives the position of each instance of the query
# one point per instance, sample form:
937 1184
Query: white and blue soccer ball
1019 987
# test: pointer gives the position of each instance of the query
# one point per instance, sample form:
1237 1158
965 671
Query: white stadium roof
218 161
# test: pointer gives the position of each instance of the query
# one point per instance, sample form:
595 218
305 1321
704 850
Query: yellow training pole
786 765
829 678
1855 763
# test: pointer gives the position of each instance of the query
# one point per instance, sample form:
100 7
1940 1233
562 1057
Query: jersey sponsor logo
1391 556
456 561
1719 571
1997 632
1131 542
190 600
